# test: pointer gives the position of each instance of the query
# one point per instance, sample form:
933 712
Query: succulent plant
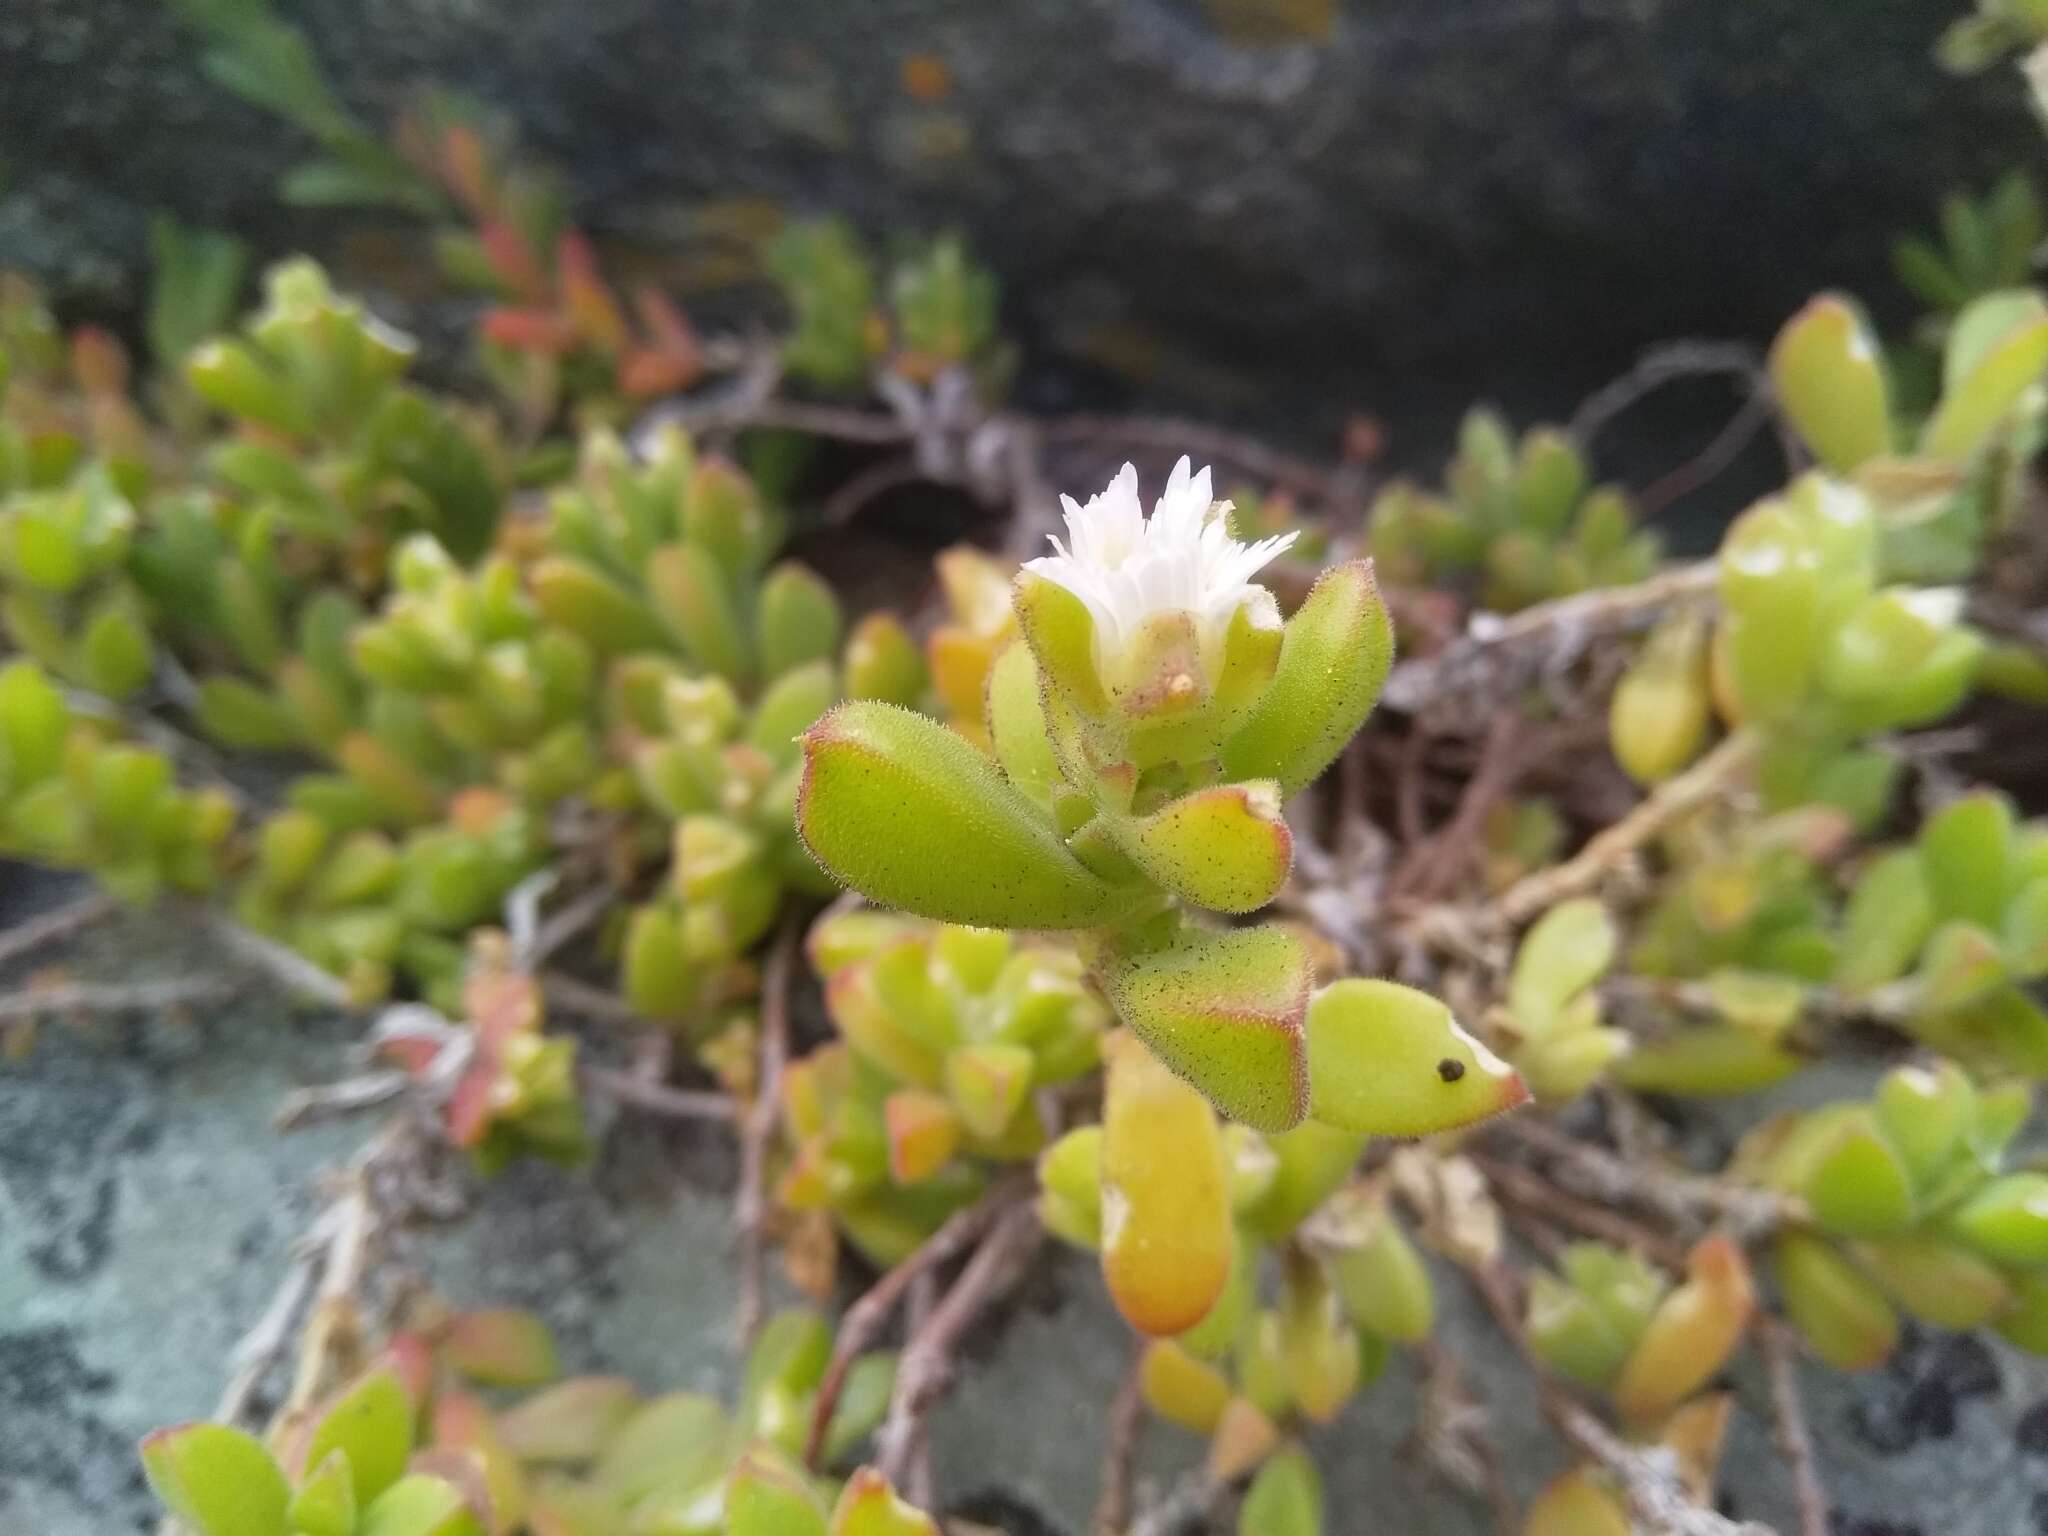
948 1038
1142 751
416 1447
1909 1207
1939 486
75 795
1957 923
1518 525
940 311
1610 1322
1552 1025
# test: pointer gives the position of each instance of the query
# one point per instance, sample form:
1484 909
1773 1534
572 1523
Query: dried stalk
51 927
1498 658
285 966
635 1092
864 1320
1120 1450
1795 1441
1687 1200
145 996
350 1096
1532 1192
926 1369
1706 780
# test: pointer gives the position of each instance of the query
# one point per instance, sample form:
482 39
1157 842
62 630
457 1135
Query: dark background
1271 212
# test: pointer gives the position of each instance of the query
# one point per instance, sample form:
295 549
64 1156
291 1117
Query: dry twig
1120 1450
1780 1356
1712 776
863 1321
1498 658
657 1098
926 1369
1688 1201
143 996
1532 1192
51 927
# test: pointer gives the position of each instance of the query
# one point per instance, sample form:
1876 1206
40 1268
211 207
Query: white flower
1127 567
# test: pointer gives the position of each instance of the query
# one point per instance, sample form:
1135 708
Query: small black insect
1450 1071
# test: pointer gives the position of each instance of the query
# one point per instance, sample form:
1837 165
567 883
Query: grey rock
1276 209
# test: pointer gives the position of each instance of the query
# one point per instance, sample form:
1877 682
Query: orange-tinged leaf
1244 1437
923 1131
869 1506
987 1084
1696 1433
502 1347
1692 1332
1166 1230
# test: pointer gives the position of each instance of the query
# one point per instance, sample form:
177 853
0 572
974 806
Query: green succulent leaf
1828 371
908 813
1225 1011
1391 1061
1285 1499
1226 848
218 1480
1333 663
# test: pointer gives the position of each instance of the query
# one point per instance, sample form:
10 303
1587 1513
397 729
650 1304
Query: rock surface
147 1208
1278 209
